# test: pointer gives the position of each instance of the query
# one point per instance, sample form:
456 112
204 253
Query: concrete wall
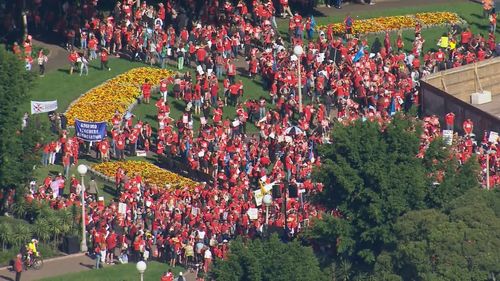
435 101
461 82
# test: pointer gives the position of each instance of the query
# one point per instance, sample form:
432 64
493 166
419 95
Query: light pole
488 168
82 170
25 24
268 199
298 51
141 267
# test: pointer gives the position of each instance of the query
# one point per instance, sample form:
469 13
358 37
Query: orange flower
382 24
116 94
150 173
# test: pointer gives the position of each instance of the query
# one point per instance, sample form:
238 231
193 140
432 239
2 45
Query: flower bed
116 94
382 24
149 172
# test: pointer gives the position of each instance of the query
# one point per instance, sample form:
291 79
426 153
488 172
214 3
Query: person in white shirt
208 259
84 65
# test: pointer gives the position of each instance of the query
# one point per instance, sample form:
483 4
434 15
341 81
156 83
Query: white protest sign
448 136
122 208
253 213
257 194
493 137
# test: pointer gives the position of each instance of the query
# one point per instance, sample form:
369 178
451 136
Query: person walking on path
42 60
18 266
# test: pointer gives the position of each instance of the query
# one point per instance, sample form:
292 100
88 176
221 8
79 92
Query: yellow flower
150 173
382 24
116 94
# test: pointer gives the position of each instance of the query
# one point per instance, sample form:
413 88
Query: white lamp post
141 267
267 200
298 51
488 167
82 170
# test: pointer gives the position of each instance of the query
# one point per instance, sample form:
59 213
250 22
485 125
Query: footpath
61 266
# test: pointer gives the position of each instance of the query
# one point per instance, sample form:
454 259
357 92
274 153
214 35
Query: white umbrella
293 130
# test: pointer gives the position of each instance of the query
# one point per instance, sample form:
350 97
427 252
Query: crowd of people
342 80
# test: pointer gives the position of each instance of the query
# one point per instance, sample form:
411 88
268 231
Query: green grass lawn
471 12
123 272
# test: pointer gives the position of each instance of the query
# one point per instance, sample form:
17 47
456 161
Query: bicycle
34 262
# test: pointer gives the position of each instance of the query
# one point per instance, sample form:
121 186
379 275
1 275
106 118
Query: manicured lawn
471 12
58 84
123 272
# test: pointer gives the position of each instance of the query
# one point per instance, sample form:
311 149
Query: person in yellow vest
444 41
452 43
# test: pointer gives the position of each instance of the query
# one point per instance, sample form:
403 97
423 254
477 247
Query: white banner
43 106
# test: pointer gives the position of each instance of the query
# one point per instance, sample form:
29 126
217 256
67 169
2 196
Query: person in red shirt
450 120
104 59
146 91
18 266
120 147
468 126
168 276
92 47
104 150
111 242
72 58
231 71
466 37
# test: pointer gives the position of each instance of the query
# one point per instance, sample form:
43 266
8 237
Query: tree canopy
267 260
459 243
16 146
372 177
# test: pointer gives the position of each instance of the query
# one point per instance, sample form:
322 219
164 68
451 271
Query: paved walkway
60 266
53 267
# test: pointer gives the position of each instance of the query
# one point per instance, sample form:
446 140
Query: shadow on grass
110 189
477 16
63 70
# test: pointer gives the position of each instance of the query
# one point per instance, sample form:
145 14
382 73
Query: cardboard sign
493 137
253 213
257 194
203 120
122 208
448 136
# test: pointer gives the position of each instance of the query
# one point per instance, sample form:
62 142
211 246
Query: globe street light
141 267
82 170
267 200
298 51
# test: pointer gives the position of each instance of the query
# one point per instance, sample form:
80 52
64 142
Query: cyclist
32 251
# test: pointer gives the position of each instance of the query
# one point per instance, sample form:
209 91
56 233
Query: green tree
16 146
372 176
459 243
267 260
